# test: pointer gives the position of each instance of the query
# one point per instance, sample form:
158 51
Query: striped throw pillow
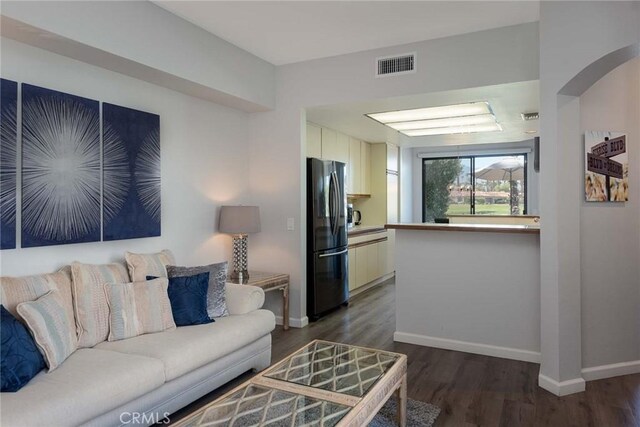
143 265
138 308
92 310
48 323
16 290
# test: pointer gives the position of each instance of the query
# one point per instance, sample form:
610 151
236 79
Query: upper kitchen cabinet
314 141
354 177
365 170
335 146
328 144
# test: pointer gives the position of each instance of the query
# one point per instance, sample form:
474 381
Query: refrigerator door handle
332 208
336 203
344 251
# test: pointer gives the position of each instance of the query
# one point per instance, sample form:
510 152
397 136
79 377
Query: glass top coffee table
323 384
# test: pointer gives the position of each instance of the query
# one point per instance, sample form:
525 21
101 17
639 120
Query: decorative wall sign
131 180
60 168
606 175
8 161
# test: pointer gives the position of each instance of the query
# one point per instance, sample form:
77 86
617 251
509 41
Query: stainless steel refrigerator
327 253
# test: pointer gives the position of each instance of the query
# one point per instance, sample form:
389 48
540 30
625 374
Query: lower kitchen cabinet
352 268
368 261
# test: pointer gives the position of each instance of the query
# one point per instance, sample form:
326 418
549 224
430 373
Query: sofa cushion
16 290
92 310
54 335
187 348
216 297
89 383
138 308
20 359
188 296
143 265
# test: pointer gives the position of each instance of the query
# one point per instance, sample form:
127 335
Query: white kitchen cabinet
328 144
314 141
340 151
354 175
365 168
353 260
383 260
373 268
362 263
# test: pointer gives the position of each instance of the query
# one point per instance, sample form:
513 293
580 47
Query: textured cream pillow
143 265
49 324
138 308
16 290
92 310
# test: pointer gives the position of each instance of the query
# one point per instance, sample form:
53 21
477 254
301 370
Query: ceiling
507 101
283 32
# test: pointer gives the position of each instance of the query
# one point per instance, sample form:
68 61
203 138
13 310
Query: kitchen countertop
497 228
360 230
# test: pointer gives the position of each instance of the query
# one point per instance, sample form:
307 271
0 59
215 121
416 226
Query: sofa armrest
242 299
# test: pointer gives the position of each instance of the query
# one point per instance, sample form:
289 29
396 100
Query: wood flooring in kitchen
471 390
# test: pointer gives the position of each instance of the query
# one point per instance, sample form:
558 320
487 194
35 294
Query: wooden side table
270 282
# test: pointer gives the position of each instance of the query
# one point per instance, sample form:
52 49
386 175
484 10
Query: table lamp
240 221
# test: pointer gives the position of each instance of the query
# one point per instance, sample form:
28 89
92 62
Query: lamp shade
239 219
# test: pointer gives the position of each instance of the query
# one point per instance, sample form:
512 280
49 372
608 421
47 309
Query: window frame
472 158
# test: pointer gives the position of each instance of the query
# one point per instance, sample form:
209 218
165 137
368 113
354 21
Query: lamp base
240 271
240 276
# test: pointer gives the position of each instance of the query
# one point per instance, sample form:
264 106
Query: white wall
469 291
204 161
533 177
485 58
610 233
573 35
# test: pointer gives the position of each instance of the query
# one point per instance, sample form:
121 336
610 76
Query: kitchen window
474 185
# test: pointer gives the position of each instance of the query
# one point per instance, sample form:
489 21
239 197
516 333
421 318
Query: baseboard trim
468 347
562 388
294 322
372 284
612 370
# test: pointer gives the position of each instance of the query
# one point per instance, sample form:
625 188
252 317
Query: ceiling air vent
527 117
394 65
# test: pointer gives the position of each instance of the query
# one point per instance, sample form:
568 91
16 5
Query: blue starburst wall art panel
131 173
8 161
60 168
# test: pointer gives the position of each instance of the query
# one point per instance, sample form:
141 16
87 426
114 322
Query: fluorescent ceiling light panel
469 109
480 119
454 129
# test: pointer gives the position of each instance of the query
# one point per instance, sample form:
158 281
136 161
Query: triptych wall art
81 182
8 162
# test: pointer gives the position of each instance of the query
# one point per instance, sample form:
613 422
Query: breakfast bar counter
469 287
496 228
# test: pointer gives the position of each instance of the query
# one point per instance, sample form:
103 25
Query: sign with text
604 166
611 148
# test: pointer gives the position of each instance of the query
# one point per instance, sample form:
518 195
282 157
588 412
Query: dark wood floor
471 390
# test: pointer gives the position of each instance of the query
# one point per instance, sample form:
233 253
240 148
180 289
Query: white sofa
138 381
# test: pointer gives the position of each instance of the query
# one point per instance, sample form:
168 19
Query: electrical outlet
291 225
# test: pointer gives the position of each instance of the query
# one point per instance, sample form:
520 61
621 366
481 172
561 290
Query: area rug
419 414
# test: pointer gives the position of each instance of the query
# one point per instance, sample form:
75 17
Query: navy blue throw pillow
21 359
188 297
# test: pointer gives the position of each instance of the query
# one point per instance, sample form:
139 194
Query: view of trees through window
474 185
